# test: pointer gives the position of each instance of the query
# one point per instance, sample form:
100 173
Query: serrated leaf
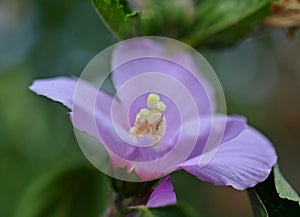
283 188
266 202
78 191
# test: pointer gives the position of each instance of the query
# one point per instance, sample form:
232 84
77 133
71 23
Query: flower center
150 122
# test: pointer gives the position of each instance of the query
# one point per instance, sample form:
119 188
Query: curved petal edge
241 163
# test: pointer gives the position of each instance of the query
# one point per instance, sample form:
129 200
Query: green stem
114 205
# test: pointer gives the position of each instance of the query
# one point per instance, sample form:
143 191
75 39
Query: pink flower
156 127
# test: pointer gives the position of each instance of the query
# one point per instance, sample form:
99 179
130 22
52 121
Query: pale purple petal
222 127
138 56
91 113
136 48
59 89
188 61
90 109
163 194
241 162
63 90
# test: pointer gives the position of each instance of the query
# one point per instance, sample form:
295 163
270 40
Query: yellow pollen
150 122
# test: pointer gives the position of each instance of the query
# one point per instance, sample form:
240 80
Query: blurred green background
38 39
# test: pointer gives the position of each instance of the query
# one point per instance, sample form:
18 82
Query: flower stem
114 205
124 194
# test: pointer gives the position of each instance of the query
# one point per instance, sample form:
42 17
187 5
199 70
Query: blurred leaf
167 211
223 23
35 135
78 191
258 206
162 18
199 23
283 188
266 197
117 15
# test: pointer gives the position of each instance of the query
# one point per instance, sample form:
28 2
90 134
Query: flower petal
59 89
220 127
137 56
91 109
163 194
76 95
91 113
241 162
136 48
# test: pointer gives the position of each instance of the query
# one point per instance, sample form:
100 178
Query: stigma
150 121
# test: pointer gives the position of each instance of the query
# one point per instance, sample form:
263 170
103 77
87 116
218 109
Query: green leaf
266 200
78 191
223 23
284 189
258 206
167 211
199 23
118 16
